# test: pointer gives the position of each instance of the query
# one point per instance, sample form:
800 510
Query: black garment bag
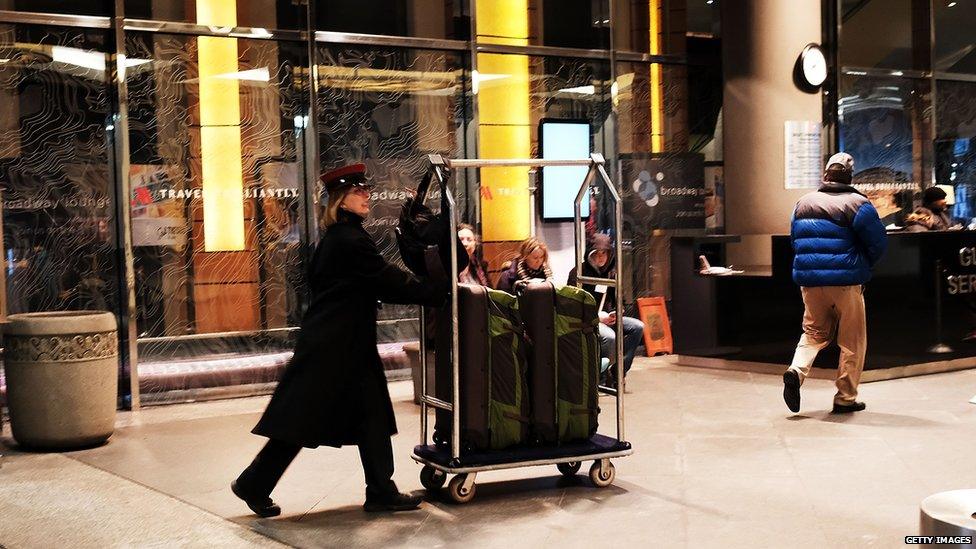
420 227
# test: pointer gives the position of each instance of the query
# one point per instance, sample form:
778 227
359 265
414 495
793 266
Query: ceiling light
709 2
581 90
81 58
255 75
952 4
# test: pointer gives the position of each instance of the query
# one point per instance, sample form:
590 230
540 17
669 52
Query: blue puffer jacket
837 237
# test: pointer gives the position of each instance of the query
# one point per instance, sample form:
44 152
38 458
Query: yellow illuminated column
657 91
502 85
220 131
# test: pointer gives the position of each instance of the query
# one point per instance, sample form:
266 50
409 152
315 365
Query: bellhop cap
340 178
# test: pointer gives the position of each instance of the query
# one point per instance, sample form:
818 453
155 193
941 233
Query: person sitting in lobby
932 214
531 263
477 270
600 263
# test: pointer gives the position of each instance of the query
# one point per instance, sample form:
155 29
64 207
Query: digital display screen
563 140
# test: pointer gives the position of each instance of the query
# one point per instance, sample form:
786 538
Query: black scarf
525 273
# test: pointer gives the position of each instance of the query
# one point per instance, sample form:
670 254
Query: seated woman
477 269
600 264
531 263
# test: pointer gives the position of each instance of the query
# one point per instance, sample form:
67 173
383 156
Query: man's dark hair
837 173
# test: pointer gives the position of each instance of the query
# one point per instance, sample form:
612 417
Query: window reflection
955 44
885 34
664 26
72 7
58 206
267 14
419 18
883 123
183 285
389 108
955 145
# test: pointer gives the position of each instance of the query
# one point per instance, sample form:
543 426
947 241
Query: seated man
600 264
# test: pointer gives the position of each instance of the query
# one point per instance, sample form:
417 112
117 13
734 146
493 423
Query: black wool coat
322 397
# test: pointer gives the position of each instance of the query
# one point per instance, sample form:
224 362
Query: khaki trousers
831 310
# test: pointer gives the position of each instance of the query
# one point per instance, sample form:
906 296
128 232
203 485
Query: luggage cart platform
597 448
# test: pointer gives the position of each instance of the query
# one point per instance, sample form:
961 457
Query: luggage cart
438 461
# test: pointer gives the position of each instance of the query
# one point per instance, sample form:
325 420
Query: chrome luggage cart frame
437 461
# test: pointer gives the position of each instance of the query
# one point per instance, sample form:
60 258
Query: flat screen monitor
563 140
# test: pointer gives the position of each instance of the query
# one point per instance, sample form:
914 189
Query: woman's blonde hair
530 245
332 207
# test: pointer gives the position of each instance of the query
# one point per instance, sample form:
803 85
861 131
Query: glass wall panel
68 7
217 202
515 93
56 177
661 167
55 170
560 23
390 108
885 124
891 34
664 26
955 42
955 144
418 18
267 14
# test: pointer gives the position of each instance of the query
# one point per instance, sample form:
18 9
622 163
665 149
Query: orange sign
657 327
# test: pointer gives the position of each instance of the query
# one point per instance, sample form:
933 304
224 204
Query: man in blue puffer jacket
837 238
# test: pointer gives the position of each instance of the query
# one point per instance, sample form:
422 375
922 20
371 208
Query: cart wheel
569 469
601 477
458 493
431 478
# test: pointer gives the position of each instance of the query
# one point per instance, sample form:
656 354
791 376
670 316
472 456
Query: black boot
390 502
263 507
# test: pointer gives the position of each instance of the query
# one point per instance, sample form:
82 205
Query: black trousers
375 452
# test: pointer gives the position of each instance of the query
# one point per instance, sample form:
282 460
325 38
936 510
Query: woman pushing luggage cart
568 407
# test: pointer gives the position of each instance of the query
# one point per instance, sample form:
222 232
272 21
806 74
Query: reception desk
753 320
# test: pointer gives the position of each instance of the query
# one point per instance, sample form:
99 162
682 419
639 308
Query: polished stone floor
720 462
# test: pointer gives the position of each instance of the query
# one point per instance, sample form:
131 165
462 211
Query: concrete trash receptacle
62 373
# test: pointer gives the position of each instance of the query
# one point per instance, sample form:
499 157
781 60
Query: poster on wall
802 154
665 190
157 218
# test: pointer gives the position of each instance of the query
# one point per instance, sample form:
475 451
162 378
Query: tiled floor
720 462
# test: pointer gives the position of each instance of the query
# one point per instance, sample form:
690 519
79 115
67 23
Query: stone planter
413 353
62 378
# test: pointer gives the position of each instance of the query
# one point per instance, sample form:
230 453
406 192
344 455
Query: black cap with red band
351 175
